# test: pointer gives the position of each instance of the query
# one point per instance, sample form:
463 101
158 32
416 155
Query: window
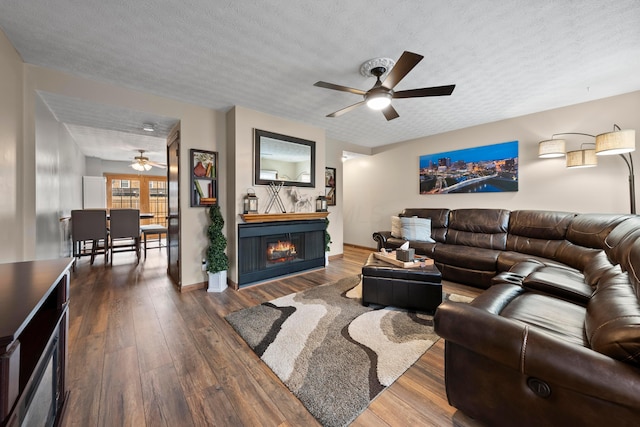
147 193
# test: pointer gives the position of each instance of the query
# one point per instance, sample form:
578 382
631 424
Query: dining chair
89 225
124 231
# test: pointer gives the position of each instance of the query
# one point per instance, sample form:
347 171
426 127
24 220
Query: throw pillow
418 229
396 227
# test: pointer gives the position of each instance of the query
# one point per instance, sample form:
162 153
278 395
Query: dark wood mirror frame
261 137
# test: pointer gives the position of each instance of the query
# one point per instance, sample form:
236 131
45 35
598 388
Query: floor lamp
620 142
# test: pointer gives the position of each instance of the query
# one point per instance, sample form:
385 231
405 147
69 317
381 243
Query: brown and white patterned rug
333 353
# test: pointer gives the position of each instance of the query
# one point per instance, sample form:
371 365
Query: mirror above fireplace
284 159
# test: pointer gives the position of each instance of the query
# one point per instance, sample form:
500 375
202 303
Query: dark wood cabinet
34 298
204 177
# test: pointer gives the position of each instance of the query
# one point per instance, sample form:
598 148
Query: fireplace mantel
292 216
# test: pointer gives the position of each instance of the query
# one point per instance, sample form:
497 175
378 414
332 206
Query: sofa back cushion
619 241
537 233
591 230
612 323
482 228
439 220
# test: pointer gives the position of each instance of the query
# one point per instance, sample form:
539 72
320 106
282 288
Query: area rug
333 353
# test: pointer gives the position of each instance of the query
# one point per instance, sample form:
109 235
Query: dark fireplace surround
272 249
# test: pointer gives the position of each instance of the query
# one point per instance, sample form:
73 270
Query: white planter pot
326 259
217 281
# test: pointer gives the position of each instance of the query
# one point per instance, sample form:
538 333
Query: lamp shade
582 158
551 148
616 142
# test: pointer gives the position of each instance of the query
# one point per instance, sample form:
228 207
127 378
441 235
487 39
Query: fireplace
272 249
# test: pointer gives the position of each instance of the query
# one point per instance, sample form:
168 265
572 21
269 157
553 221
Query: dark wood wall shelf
204 177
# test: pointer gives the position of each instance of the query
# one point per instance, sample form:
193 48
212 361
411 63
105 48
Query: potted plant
327 242
217 261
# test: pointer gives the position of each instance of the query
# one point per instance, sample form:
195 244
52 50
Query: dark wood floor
142 354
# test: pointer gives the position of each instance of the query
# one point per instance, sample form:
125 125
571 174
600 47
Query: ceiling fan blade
339 87
346 109
407 61
425 91
157 165
390 113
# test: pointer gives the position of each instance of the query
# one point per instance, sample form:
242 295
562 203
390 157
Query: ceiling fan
142 163
380 95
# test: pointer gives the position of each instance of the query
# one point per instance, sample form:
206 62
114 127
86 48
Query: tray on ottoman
418 288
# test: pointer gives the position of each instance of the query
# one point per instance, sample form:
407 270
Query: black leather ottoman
417 288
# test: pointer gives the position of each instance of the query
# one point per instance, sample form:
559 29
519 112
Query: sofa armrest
381 238
535 353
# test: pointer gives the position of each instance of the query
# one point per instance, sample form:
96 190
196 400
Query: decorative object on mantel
321 203
619 142
274 189
250 202
300 200
217 261
286 216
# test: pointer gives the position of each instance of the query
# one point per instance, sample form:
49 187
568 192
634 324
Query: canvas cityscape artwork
486 169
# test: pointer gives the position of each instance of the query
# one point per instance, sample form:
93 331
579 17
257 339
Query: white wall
381 185
11 209
334 160
241 123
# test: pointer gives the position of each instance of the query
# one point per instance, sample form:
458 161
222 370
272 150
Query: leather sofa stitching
595 331
525 337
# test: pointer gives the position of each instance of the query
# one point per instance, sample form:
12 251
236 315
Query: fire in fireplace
281 251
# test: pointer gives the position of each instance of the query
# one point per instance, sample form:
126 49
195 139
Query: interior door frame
174 249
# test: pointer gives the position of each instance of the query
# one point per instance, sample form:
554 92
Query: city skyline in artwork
486 169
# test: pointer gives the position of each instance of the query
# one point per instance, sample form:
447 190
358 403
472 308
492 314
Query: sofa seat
514 354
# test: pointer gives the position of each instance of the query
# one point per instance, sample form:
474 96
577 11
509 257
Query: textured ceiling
507 58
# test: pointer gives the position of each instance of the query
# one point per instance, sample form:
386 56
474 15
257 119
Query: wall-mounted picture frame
204 177
486 169
330 186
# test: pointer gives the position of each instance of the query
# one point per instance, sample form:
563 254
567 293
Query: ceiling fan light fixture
379 100
137 166
148 127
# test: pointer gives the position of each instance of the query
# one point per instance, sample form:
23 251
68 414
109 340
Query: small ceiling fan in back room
380 95
142 163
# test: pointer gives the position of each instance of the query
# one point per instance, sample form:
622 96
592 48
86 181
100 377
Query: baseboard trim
351 245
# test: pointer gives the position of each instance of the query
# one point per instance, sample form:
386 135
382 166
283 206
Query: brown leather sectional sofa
555 338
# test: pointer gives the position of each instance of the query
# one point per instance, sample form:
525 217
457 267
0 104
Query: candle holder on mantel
250 202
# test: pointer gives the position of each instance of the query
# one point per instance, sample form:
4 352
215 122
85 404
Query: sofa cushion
396 227
466 256
546 225
507 259
619 241
416 229
439 220
482 228
591 230
554 316
612 321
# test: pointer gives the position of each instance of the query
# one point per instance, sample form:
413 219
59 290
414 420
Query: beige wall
11 209
378 186
201 128
240 124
